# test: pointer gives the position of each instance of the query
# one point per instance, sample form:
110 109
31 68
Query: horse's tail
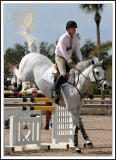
25 20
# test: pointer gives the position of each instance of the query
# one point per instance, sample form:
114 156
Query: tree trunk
102 95
98 41
97 19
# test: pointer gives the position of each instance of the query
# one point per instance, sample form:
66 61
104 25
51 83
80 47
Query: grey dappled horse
34 65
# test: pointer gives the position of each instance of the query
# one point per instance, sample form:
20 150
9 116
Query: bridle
94 75
96 80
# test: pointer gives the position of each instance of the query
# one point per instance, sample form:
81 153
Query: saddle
57 74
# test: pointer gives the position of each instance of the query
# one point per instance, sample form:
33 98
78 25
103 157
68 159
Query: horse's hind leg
87 143
15 71
17 83
19 86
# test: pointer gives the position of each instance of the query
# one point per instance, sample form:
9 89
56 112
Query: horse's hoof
88 145
78 150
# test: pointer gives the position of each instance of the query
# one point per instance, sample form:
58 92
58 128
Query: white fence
62 125
33 136
62 129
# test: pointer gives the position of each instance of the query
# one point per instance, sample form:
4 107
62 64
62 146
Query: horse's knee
76 129
15 84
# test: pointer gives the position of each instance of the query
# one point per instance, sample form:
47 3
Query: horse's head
97 73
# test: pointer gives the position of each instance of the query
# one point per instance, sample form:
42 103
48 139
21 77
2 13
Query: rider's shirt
65 49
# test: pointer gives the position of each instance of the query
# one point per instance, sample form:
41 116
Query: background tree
48 50
87 47
95 8
12 57
89 50
104 46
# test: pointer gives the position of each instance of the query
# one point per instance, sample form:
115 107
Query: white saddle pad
50 73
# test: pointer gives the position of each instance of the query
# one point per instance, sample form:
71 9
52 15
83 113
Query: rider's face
72 31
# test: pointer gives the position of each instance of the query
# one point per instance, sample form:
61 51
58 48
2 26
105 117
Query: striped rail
23 92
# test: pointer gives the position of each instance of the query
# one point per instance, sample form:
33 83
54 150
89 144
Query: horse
32 68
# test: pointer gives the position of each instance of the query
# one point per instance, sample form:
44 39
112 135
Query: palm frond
91 7
105 46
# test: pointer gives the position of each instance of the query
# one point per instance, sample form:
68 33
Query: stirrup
55 94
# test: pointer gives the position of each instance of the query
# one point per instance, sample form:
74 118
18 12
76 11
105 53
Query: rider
67 43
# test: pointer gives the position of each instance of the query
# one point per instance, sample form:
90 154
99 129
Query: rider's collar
69 34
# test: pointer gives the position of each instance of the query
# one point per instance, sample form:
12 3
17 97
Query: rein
96 80
75 84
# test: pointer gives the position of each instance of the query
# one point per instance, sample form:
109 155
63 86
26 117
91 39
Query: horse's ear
101 61
92 61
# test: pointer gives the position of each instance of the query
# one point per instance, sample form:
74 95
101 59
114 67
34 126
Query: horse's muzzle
106 85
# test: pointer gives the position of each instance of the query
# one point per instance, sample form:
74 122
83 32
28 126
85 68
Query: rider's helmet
71 24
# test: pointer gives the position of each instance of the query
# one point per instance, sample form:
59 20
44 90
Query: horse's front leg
87 143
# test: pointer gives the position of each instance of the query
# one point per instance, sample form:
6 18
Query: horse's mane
83 64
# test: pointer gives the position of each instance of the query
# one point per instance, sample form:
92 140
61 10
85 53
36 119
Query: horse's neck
87 71
84 80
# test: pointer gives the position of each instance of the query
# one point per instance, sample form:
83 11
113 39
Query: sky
50 20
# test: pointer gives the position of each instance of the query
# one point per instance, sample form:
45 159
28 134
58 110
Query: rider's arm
78 52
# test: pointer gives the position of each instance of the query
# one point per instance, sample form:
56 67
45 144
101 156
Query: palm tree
95 8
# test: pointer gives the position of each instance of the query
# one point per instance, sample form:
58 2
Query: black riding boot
57 85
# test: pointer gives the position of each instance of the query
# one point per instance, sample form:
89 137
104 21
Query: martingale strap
74 85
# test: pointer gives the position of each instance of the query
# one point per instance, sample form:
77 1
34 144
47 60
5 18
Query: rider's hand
72 64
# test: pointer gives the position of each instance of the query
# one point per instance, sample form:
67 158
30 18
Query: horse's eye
97 73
